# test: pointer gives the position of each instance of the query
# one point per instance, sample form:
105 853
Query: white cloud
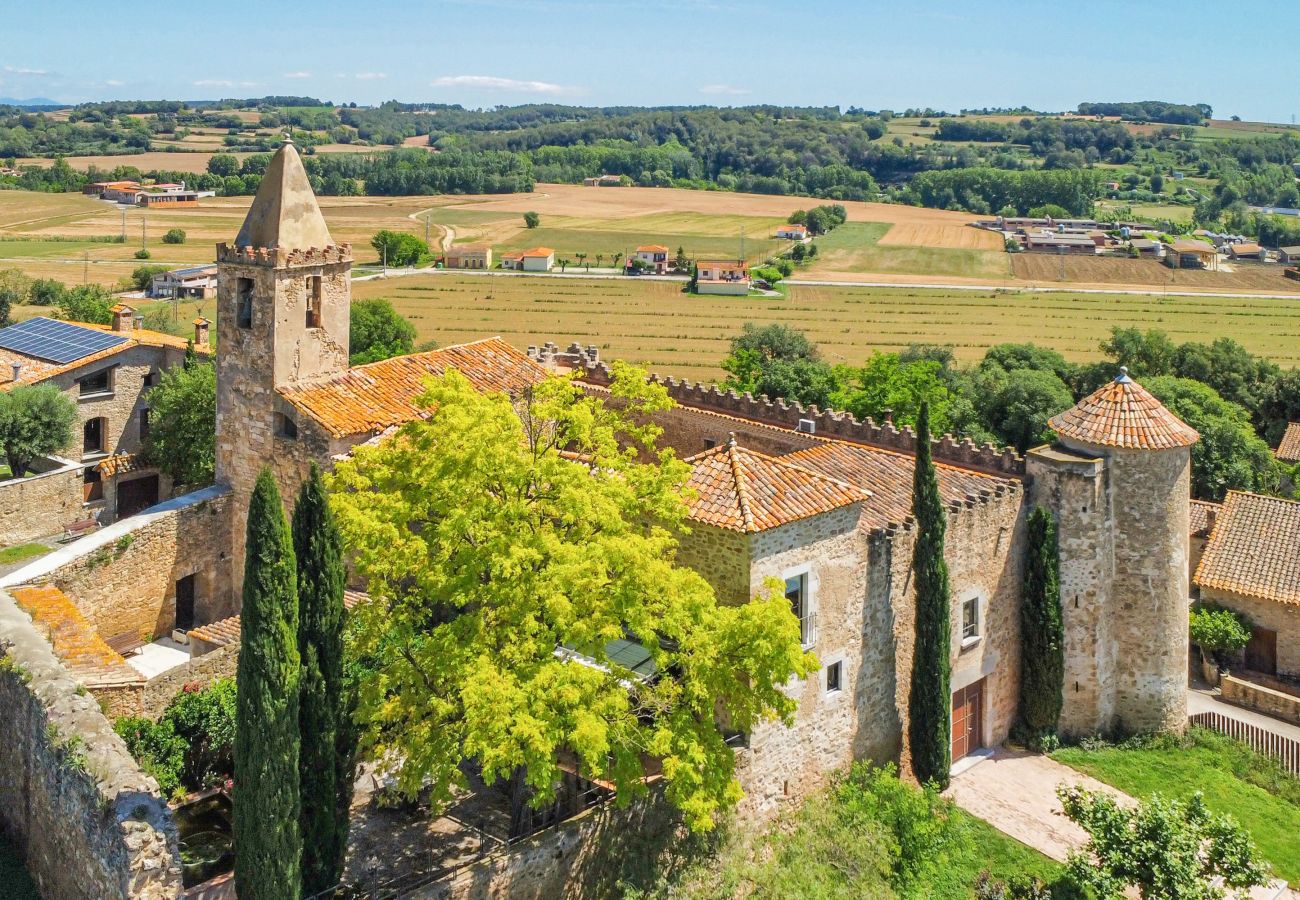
113 82
223 82
23 70
370 76
297 74
493 83
729 90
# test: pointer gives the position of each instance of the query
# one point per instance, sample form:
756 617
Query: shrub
532 220
1219 631
174 236
157 748
203 719
770 274
143 254
142 276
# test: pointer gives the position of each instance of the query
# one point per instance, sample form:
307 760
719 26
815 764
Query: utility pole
144 221
85 268
124 224
427 218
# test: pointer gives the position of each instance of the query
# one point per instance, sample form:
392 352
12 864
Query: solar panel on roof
55 341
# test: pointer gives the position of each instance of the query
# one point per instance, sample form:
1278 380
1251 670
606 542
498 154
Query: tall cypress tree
268 848
328 741
1042 632
929 712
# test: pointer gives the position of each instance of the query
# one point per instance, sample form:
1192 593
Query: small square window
144 424
148 379
710 443
970 620
834 677
285 427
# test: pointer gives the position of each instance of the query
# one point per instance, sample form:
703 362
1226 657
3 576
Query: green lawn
19 552
1234 780
15 884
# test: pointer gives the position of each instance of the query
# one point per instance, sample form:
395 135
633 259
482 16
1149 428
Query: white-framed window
799 590
835 677
971 626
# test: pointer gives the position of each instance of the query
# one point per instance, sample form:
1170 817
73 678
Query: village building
1251 565
603 181
722 277
106 371
1247 250
1189 254
653 256
792 232
1289 448
536 259
192 283
469 256
1059 242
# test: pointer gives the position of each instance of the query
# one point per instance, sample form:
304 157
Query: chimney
201 326
123 317
17 369
139 322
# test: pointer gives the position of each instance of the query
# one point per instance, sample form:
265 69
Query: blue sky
1048 55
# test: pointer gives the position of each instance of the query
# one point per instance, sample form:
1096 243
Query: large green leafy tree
377 331
929 705
1229 455
1167 849
326 756
397 248
778 361
1017 405
182 439
35 420
87 303
1042 632
509 553
268 845
886 382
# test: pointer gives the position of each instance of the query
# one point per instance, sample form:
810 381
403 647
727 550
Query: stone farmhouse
106 371
817 499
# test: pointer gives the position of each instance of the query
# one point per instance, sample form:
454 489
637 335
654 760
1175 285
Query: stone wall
589 857
87 822
721 556
985 551
1283 618
40 504
1262 694
159 691
123 577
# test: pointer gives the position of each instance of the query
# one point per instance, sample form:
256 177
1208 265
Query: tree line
1238 402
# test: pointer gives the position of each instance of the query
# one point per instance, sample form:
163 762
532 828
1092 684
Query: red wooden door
967 719
1261 652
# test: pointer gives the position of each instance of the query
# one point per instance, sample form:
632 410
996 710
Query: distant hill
30 101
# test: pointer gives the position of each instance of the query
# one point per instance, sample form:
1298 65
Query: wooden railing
1284 749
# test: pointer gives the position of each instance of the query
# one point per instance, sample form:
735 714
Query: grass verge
1235 780
19 552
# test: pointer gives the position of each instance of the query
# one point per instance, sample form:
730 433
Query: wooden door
1261 652
185 603
967 719
135 495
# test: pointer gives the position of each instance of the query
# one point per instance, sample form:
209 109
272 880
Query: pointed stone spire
284 214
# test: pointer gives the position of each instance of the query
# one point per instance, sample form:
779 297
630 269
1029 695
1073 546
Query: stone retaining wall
40 504
87 822
159 691
123 577
1258 694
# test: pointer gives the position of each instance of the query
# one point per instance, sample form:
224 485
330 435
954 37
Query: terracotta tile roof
746 491
36 370
226 631
376 396
1254 549
652 248
1289 449
537 251
121 464
1122 413
887 474
1203 514
75 642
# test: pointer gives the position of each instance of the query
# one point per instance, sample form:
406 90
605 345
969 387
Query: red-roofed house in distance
653 256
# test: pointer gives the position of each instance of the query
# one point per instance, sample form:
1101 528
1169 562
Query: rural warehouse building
1191 255
469 256
1061 243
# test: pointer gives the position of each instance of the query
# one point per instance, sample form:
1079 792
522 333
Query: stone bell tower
1118 481
283 298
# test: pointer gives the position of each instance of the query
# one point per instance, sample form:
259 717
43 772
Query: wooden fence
1285 750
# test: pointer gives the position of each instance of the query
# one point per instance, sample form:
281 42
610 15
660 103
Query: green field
1252 789
653 323
855 247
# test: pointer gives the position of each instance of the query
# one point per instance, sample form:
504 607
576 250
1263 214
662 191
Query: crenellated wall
826 423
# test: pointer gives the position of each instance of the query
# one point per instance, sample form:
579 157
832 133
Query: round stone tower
1119 481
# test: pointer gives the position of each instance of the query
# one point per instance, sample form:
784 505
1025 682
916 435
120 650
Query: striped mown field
653 323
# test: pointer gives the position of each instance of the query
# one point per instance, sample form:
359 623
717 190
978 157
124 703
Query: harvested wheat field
1147 274
653 323
953 237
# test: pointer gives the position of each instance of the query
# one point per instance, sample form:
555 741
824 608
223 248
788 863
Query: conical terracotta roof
284 214
1122 413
